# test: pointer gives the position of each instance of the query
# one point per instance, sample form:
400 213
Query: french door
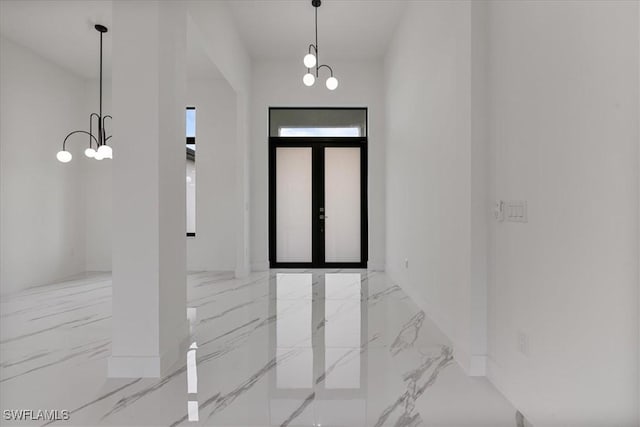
318 202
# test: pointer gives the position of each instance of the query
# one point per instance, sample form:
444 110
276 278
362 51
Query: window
191 171
319 131
318 122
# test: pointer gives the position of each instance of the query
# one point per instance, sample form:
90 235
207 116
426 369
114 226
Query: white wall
279 84
42 200
429 172
564 131
213 247
213 24
480 206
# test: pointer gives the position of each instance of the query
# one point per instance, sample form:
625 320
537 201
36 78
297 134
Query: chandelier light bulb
105 152
64 156
332 83
309 60
309 79
90 152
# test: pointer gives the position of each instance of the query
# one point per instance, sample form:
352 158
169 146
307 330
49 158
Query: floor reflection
280 348
317 340
192 370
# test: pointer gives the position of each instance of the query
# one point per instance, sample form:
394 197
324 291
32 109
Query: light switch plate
516 211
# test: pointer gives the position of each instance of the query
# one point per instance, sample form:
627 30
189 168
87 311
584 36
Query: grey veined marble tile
306 348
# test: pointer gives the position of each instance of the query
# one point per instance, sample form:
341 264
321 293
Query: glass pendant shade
309 79
332 83
90 152
309 60
105 152
64 156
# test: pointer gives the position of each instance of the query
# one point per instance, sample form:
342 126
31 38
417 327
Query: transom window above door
318 122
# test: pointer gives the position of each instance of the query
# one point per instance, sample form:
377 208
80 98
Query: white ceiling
62 30
347 29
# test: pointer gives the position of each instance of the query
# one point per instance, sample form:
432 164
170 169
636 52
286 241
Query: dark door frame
318 145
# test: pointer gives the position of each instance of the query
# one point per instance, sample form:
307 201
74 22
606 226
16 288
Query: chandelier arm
104 128
316 45
91 116
330 69
74 132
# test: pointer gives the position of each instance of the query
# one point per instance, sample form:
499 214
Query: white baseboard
459 354
495 377
154 366
478 365
376 266
241 272
472 365
260 266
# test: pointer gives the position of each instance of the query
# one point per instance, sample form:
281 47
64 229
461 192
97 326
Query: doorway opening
318 214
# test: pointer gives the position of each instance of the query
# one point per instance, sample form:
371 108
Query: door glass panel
342 204
293 204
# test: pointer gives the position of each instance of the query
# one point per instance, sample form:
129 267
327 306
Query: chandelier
311 59
101 150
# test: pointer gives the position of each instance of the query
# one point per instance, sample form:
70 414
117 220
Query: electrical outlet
523 343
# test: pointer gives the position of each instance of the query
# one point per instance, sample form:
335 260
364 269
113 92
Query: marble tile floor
321 348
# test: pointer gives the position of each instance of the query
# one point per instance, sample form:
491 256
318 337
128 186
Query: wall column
149 242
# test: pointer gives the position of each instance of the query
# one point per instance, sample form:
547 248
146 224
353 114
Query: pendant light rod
316 45
102 151
100 111
101 29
